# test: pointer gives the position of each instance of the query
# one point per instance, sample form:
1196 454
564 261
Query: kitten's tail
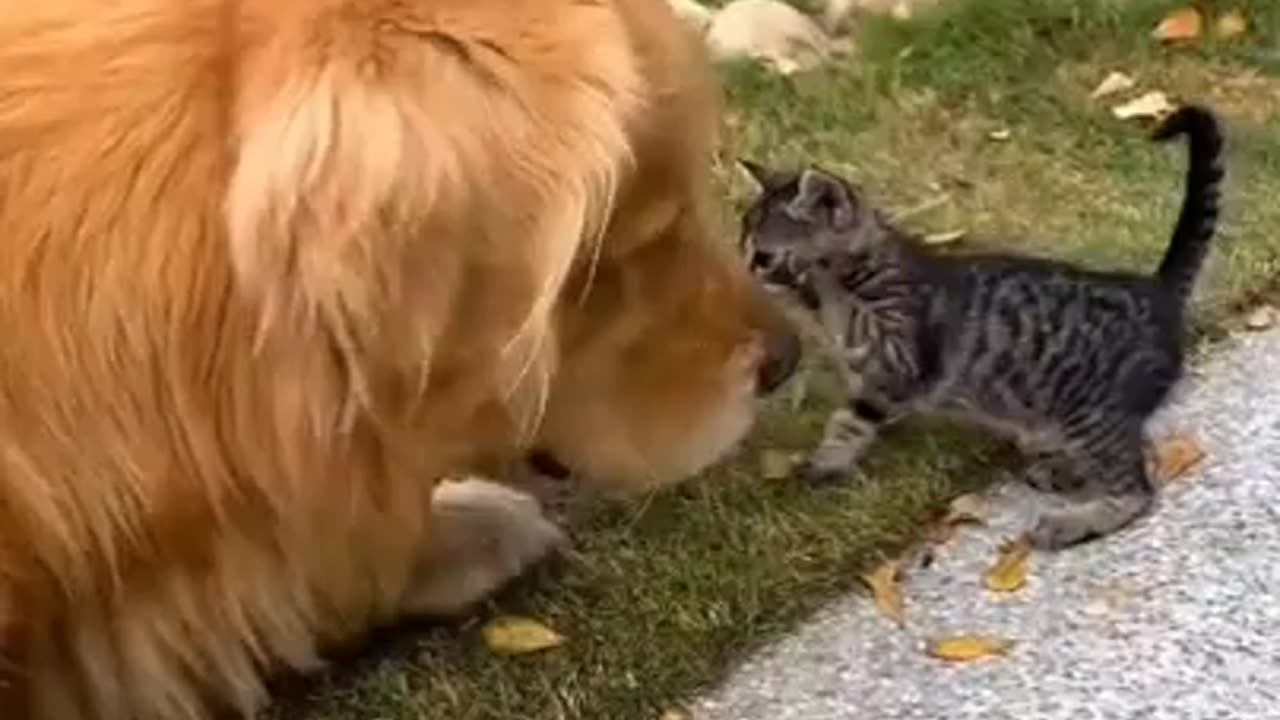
1199 216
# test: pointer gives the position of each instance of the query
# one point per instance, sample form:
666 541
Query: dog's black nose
545 463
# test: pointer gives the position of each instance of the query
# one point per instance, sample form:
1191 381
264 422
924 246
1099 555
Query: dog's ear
354 180
824 199
323 167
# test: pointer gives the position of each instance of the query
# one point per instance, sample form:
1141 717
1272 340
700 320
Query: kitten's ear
763 176
823 198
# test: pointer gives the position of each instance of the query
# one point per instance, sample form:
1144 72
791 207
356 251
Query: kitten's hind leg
1109 486
848 433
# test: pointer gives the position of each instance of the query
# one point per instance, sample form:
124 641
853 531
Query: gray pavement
1178 617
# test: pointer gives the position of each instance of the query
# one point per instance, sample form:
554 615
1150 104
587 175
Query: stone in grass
837 15
1262 318
769 31
693 12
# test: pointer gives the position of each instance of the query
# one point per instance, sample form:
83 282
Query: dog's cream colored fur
270 269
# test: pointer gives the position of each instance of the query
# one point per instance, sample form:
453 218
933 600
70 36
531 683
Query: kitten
1070 363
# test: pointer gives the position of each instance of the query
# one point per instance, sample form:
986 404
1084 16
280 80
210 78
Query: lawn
976 117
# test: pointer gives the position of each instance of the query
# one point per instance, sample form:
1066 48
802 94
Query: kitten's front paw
811 473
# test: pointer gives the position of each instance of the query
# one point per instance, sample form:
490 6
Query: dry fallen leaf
1181 25
1153 105
1175 455
1231 24
513 635
966 648
1000 135
676 714
883 582
938 531
1263 318
944 238
965 509
774 465
1111 84
1009 573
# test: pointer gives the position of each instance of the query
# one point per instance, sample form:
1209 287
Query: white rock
769 31
836 13
693 12
1154 104
1111 84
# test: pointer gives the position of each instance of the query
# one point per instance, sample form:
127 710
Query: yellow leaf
1009 573
1153 105
512 635
966 648
883 582
774 465
1180 25
1000 135
1175 455
1231 24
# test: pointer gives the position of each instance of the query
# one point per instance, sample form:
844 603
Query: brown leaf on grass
883 582
1009 573
514 635
967 648
1181 25
774 465
1230 24
1175 455
938 531
1151 106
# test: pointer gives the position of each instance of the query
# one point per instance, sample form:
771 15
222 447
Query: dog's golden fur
270 269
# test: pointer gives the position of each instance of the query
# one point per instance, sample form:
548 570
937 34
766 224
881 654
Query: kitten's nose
782 356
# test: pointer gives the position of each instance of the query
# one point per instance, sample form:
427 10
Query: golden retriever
271 271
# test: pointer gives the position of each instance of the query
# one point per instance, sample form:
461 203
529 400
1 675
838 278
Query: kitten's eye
763 259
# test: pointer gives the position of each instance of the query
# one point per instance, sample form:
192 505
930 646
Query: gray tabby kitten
1070 363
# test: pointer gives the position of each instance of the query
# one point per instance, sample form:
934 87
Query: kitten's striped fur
1069 362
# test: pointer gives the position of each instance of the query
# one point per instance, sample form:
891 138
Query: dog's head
507 233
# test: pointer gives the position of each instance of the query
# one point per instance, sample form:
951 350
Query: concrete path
1179 617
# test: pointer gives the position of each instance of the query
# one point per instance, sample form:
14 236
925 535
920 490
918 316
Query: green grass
660 597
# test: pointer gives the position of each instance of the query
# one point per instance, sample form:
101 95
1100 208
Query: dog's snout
782 356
